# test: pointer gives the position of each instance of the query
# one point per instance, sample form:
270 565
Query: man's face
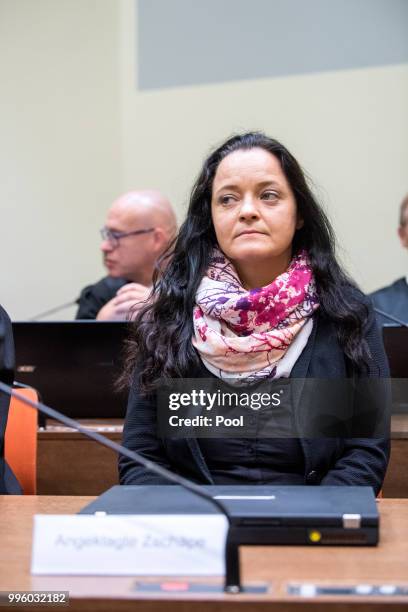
134 256
403 229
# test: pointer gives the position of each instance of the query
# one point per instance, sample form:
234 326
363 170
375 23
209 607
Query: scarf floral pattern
243 334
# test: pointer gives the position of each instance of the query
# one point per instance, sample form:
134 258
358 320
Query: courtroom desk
276 565
70 464
396 479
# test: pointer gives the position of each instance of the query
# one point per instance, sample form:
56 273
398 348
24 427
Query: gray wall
191 42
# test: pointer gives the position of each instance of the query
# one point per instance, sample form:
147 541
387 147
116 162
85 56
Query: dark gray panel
190 42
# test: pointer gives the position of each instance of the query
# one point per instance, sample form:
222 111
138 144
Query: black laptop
73 365
396 347
264 514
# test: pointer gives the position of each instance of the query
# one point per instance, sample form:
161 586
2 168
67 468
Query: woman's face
254 211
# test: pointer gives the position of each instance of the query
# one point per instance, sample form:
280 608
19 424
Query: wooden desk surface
277 565
399 426
112 428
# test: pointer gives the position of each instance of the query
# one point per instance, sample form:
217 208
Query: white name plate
123 545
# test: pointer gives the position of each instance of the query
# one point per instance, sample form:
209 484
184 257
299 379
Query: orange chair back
20 442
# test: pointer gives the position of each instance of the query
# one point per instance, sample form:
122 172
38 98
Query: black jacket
93 297
328 461
393 300
8 482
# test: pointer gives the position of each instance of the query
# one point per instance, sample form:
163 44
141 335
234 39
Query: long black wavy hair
161 345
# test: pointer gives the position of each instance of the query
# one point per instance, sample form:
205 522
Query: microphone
41 315
391 317
232 582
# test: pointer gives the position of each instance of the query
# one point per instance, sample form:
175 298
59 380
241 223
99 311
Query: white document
123 545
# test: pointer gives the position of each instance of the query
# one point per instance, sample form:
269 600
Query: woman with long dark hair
253 292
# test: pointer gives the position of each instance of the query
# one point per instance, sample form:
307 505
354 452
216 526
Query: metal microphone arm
51 311
391 317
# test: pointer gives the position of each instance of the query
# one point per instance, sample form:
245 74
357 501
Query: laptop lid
73 365
247 504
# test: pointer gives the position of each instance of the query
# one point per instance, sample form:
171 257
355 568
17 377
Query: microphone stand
232 582
391 317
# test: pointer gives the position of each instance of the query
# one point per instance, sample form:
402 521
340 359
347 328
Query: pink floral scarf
244 334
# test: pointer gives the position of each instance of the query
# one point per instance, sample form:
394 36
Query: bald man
393 299
139 227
